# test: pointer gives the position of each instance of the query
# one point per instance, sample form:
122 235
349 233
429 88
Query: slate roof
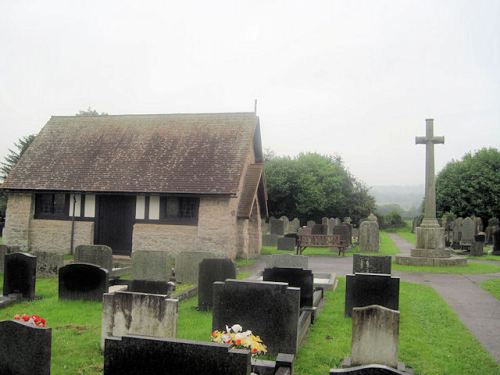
175 153
250 186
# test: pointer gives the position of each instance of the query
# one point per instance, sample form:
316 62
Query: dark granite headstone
286 243
319 229
371 264
212 270
296 277
20 274
83 281
151 287
496 242
137 355
269 310
364 289
24 349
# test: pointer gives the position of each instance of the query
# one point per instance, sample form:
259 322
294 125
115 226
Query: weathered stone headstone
277 226
369 236
364 289
331 224
140 355
478 245
187 264
100 255
296 277
19 275
294 225
83 281
310 223
457 232
468 229
478 222
48 264
139 314
269 310
286 243
264 227
372 217
286 224
287 260
270 240
375 336
344 232
152 265
212 270
24 349
371 264
496 243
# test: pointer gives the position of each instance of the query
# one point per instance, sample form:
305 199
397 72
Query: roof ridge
159 114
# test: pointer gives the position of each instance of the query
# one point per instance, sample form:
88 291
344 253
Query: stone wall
55 235
169 238
243 238
255 231
17 221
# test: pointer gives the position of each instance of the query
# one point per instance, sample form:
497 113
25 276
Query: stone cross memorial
430 249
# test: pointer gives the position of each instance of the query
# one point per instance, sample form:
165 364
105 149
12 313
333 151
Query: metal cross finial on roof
430 188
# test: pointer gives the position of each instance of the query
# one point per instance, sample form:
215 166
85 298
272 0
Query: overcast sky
353 78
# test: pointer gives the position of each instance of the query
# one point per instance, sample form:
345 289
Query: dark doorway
115 222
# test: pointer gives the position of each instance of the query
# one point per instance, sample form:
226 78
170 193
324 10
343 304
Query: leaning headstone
364 289
478 245
371 264
287 260
24 349
277 226
48 264
296 277
286 243
139 314
269 310
468 229
20 275
100 255
83 281
369 236
4 249
375 336
187 265
141 355
496 243
212 270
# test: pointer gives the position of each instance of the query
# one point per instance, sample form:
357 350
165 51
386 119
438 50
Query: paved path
478 310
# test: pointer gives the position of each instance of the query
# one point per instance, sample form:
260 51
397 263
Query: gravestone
20 275
478 222
371 264
372 217
48 264
4 249
344 232
269 310
331 224
270 240
187 264
287 260
319 229
24 349
457 232
294 225
133 355
139 314
468 229
477 248
286 224
296 277
310 223
364 289
369 236
375 336
277 226
286 243
83 281
212 270
264 227
496 243
100 255
152 265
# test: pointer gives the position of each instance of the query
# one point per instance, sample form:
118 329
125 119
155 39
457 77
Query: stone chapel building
175 182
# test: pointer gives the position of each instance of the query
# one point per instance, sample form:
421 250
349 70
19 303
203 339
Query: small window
51 206
179 210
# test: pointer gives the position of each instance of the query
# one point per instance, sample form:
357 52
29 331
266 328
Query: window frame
179 220
38 214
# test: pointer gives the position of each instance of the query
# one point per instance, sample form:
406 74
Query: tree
311 186
90 112
470 186
9 162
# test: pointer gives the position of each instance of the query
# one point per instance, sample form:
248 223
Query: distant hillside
406 196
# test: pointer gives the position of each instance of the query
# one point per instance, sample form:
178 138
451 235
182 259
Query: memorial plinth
430 249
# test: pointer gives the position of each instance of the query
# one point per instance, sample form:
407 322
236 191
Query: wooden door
115 222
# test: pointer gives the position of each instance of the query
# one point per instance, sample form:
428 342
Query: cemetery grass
492 286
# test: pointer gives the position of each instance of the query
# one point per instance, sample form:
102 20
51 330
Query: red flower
25 317
17 317
238 342
214 333
254 350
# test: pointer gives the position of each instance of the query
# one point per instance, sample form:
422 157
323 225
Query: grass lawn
433 340
241 262
492 286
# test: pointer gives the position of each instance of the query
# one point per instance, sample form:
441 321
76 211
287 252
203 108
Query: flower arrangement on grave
34 320
237 338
